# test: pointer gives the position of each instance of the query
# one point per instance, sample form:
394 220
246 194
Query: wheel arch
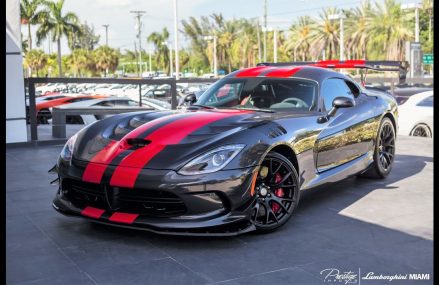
288 152
393 120
418 124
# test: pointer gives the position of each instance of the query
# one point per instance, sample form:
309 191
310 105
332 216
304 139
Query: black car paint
322 152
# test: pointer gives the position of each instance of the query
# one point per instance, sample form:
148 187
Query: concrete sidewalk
358 225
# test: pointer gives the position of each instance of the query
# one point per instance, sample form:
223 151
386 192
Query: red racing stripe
124 218
254 71
283 72
91 212
126 172
98 164
96 167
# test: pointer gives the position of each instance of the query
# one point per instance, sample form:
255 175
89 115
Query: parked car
236 160
44 108
402 94
416 115
106 102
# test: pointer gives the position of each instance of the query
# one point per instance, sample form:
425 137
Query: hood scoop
137 142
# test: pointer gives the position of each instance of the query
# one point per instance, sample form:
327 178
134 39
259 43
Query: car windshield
287 94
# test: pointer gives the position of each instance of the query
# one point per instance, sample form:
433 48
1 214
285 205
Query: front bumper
216 204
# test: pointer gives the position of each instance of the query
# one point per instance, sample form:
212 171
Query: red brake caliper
279 192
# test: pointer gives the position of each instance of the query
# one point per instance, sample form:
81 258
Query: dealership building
16 130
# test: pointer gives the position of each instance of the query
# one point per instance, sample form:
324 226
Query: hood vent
138 143
276 132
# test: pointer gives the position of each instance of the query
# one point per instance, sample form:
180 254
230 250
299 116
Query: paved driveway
358 225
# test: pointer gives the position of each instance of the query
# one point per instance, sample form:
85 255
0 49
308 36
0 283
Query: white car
110 102
416 115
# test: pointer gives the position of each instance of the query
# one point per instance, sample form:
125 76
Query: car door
349 134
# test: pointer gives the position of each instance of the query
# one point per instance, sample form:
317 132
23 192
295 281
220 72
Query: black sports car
236 160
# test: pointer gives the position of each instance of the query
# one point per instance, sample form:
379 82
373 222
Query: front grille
154 203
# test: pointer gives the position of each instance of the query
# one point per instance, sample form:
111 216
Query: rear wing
385 65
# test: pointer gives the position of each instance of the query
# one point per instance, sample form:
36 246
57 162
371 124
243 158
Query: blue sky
159 14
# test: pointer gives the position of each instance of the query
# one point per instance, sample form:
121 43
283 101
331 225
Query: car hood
167 139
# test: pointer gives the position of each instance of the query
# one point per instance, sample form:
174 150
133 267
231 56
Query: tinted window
132 103
333 88
427 102
354 88
54 97
124 103
78 100
261 93
106 104
225 93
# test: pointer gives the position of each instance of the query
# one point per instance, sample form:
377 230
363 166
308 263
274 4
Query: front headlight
67 151
211 161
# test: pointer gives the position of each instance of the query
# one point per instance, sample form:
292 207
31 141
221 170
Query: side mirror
339 102
190 98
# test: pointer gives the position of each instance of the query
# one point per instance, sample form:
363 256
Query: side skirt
353 167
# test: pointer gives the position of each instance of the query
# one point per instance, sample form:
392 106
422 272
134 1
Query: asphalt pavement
357 226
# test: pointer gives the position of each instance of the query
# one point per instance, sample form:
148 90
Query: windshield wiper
201 106
255 109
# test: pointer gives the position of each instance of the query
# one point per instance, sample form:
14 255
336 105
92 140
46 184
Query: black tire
271 199
43 116
384 153
421 130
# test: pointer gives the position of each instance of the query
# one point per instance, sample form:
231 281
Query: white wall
16 130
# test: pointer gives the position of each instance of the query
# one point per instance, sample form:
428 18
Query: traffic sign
427 58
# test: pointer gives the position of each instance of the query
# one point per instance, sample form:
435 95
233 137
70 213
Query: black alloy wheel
384 152
387 146
276 193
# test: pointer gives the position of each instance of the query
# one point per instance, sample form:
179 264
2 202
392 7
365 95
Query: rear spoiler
385 65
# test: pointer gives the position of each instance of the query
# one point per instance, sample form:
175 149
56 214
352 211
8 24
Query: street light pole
169 46
265 31
106 33
170 60
177 57
259 41
149 53
275 45
215 67
417 23
416 7
341 39
139 36
340 17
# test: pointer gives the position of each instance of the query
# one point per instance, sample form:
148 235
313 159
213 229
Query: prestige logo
335 275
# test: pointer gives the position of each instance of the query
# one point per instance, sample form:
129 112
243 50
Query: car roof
318 74
91 102
419 97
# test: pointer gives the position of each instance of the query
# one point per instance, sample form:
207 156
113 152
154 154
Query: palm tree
390 29
326 33
35 60
244 48
227 32
30 15
106 59
300 36
162 51
196 30
358 29
79 60
58 24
